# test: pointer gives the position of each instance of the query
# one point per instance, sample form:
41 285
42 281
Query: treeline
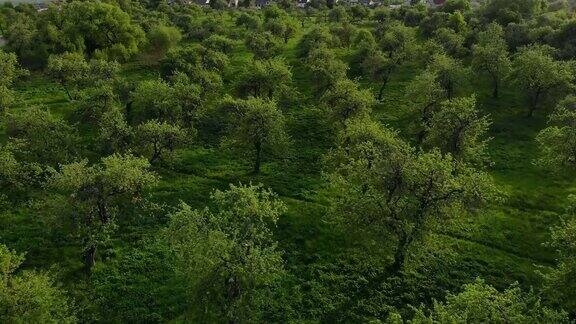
90 170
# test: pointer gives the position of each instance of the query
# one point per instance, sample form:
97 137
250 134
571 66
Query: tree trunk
495 92
89 258
400 255
257 162
381 91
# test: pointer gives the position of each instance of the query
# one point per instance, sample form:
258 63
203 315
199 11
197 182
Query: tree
228 254
263 45
384 188
157 139
538 74
155 99
258 126
490 56
458 129
316 38
90 197
98 29
7 98
283 26
326 69
449 72
452 42
9 69
162 38
557 142
346 100
426 93
30 296
44 137
559 286
482 303
68 69
397 45
269 79
219 43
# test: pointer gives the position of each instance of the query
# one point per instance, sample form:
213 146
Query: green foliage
326 69
219 43
156 140
458 128
30 296
270 79
482 303
345 101
9 69
539 75
89 198
258 126
449 72
382 187
162 38
560 286
490 56
558 141
315 39
97 29
42 136
264 45
228 253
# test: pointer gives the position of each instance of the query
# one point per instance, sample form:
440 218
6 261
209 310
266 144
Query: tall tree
68 69
228 254
490 56
326 69
346 100
258 126
482 303
30 296
539 75
557 142
270 79
449 72
426 93
156 140
89 198
397 47
384 188
559 283
42 136
458 128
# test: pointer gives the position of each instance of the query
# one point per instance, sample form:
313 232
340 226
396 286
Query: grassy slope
503 244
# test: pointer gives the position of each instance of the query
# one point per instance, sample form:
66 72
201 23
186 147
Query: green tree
30 296
397 47
7 98
44 137
458 128
426 93
98 29
316 38
228 254
156 140
482 303
219 43
490 56
449 72
155 99
384 188
89 198
559 283
162 38
539 75
270 79
557 142
346 100
68 69
258 127
10 71
263 45
326 69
